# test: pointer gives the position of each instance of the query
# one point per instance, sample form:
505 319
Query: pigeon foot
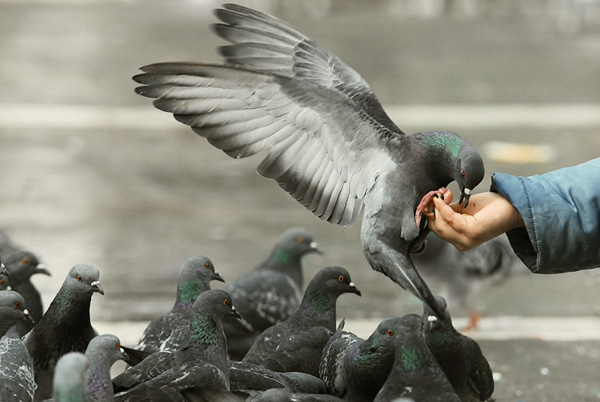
427 198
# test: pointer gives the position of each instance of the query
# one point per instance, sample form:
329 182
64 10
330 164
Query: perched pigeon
270 293
356 369
200 364
22 265
70 378
171 331
460 275
102 352
329 142
65 327
415 373
17 383
296 343
458 355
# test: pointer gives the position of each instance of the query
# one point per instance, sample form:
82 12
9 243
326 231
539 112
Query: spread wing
323 148
268 44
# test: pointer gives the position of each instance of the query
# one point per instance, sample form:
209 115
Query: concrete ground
92 172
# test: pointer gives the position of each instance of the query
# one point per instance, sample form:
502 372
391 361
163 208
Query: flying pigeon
329 142
65 326
296 344
270 293
202 363
415 373
21 265
71 375
171 331
459 356
17 383
355 368
102 352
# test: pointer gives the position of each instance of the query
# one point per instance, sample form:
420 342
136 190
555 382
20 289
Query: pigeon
328 141
65 326
459 356
415 373
460 275
17 383
71 375
356 369
270 293
296 344
22 265
283 395
171 331
102 352
202 363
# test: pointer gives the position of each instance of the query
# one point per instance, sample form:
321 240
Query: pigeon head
12 310
105 347
21 265
470 172
194 278
207 316
217 302
336 280
4 282
293 244
84 279
71 375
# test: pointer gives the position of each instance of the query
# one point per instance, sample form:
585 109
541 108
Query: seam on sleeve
535 242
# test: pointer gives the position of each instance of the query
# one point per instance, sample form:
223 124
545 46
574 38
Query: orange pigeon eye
301 239
17 304
207 265
1 281
390 332
341 278
118 346
25 261
226 302
463 174
79 278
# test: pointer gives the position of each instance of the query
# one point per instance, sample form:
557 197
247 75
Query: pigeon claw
427 198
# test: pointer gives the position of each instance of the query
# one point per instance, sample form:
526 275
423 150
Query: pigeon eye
79 278
463 174
207 265
118 346
17 304
301 239
25 261
1 281
341 278
390 332
422 324
226 302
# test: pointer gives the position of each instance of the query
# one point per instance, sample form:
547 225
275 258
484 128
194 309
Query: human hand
487 216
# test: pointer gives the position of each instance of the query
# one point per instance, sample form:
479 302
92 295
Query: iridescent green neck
204 329
282 256
447 143
319 304
409 357
189 291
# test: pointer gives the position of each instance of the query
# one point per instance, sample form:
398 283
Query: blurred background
91 172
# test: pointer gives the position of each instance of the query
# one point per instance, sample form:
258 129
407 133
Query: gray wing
168 332
268 44
17 381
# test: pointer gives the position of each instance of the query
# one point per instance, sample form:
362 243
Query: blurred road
92 172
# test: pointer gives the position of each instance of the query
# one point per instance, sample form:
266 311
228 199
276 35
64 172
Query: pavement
92 172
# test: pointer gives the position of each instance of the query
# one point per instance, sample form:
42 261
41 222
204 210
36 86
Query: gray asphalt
92 172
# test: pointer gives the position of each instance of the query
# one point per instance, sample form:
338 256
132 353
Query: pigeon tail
400 268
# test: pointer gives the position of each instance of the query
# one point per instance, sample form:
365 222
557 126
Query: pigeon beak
465 194
354 289
3 270
314 246
235 313
218 277
431 318
41 269
97 288
27 317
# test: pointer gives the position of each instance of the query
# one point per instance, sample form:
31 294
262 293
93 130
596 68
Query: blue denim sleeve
561 211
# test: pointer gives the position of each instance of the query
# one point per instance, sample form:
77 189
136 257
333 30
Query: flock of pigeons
259 338
328 143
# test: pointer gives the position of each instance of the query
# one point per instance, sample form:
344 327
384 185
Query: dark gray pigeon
102 352
17 383
460 275
70 378
459 356
415 373
270 293
200 364
356 369
329 142
21 265
171 331
296 344
65 327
